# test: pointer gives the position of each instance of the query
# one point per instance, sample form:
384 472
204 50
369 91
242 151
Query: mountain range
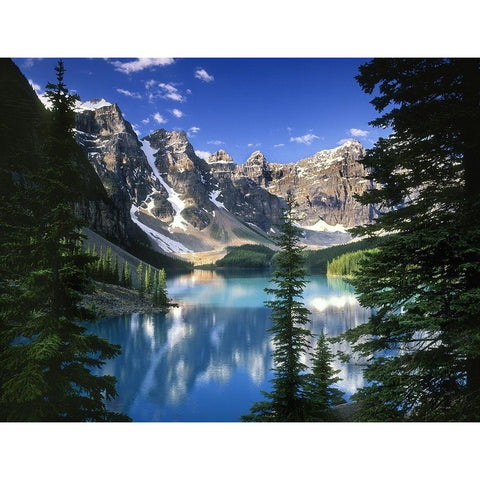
157 194
187 204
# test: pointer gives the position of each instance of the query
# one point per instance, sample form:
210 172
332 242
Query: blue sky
288 108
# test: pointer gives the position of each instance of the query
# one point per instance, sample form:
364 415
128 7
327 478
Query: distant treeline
246 256
318 260
348 264
151 282
254 256
106 269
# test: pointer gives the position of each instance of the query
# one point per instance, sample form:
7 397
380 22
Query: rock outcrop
115 152
324 185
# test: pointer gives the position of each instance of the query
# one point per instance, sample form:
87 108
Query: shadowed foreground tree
46 355
286 402
424 280
320 390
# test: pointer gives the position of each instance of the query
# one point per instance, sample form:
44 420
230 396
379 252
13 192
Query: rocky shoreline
113 300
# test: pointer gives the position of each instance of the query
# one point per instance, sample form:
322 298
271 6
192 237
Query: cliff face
23 121
243 195
157 190
115 153
324 185
184 176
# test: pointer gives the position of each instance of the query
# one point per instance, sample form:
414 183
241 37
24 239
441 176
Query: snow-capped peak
94 104
349 143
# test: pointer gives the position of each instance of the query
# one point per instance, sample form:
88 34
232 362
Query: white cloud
202 154
34 85
158 118
356 132
146 120
140 64
175 96
279 145
253 144
150 83
202 74
168 87
306 139
177 113
166 90
192 131
127 93
29 62
215 142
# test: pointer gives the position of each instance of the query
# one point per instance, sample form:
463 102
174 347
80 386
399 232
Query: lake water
208 359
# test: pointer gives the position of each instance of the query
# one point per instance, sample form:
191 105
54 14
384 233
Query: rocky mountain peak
349 144
346 154
257 169
173 145
93 104
220 156
256 158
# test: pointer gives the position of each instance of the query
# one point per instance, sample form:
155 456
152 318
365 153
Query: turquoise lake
208 359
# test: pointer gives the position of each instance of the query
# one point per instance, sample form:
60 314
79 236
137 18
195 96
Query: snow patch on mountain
322 226
213 198
173 197
91 105
164 242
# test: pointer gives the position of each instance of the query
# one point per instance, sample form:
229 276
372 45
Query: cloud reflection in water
209 358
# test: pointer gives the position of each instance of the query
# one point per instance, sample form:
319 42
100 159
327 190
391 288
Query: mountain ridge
172 193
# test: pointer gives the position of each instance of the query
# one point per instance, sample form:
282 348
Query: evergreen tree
148 279
115 275
155 287
162 288
287 401
101 266
423 342
124 275
159 295
321 393
46 354
141 279
128 276
108 265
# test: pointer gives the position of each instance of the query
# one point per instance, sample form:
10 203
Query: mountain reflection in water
209 358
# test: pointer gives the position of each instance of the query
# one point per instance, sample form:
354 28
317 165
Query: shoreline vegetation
111 300
346 266
323 261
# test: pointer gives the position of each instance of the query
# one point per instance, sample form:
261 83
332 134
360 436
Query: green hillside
317 260
246 256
